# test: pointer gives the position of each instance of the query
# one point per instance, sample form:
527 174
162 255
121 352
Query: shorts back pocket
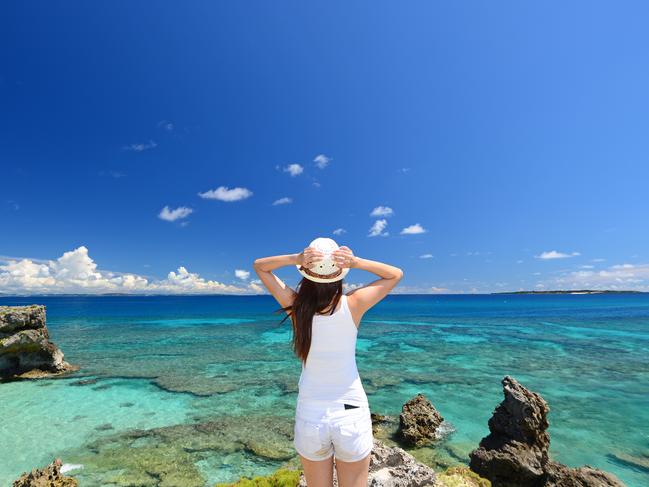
307 434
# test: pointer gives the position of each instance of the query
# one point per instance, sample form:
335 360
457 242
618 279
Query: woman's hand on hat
308 257
344 257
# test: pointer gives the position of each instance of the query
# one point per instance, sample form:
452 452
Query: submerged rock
25 349
640 462
49 476
515 453
419 421
173 455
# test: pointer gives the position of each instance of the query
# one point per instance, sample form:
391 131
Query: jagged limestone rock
515 453
49 476
26 351
419 421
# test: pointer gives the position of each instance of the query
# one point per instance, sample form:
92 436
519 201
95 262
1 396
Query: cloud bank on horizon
75 272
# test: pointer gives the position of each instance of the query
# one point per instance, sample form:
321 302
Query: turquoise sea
191 391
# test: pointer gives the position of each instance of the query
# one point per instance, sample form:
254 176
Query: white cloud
283 201
255 286
438 290
141 146
339 231
380 211
294 169
426 256
404 289
170 215
166 125
598 260
350 287
616 277
553 254
183 281
322 161
76 272
413 230
112 174
241 274
25 274
223 193
377 229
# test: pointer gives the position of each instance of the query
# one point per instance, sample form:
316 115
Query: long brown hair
312 297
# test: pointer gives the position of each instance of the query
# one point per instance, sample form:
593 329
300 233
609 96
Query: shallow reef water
199 390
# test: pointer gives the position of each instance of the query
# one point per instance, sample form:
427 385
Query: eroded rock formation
419 421
25 348
49 476
515 453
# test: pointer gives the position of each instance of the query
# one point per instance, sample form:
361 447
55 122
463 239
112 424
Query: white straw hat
325 270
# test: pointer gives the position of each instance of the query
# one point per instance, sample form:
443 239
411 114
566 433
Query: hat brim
339 277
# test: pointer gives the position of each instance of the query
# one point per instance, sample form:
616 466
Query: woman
332 416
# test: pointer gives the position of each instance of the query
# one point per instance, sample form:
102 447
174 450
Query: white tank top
330 372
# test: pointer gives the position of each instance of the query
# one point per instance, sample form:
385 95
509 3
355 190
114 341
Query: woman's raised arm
265 266
364 298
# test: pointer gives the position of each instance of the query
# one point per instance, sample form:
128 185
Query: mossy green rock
281 478
461 477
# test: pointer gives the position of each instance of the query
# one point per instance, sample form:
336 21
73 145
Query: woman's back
332 414
330 372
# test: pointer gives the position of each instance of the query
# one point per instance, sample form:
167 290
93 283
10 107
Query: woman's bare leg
353 474
318 473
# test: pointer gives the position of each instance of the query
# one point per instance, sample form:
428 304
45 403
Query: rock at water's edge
559 475
515 453
49 476
25 349
419 421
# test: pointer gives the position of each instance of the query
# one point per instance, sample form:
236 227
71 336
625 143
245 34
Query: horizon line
557 291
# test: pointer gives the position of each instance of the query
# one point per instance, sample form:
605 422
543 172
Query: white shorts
325 429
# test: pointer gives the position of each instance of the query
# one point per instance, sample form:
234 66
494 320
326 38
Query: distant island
573 291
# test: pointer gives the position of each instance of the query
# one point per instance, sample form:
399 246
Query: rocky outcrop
419 422
25 348
393 467
515 453
49 476
559 475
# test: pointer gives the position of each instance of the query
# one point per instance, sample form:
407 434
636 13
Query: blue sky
513 135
